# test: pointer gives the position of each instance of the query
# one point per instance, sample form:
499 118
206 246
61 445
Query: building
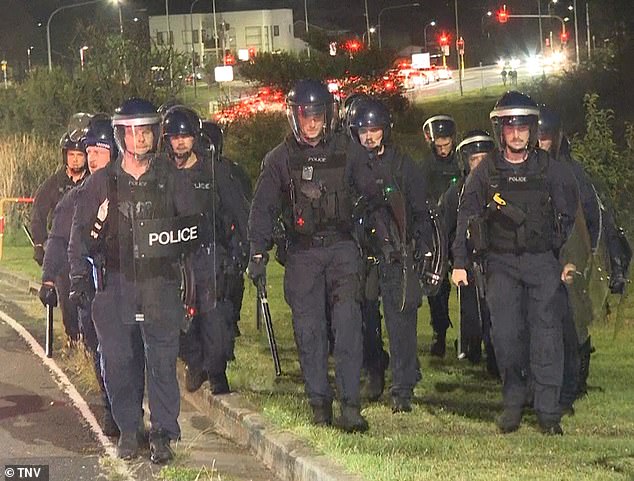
213 34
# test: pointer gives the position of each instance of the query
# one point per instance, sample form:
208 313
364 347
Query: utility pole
457 55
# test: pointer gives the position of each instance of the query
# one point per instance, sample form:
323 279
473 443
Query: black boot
322 413
438 344
127 446
219 383
160 450
550 428
401 404
585 350
194 377
351 420
109 426
509 420
376 384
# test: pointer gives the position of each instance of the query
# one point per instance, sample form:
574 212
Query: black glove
617 279
82 290
38 254
48 295
256 269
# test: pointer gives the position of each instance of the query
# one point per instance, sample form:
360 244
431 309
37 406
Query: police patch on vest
157 238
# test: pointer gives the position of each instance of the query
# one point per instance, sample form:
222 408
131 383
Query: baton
28 234
258 313
268 322
459 352
49 330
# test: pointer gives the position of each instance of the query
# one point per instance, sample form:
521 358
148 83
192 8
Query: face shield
312 123
139 139
472 150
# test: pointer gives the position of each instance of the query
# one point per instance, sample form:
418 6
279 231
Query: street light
118 2
368 34
573 9
191 22
416 4
487 15
81 56
28 56
430 24
48 25
367 23
306 22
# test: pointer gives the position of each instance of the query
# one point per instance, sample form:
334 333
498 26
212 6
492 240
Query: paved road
40 425
474 78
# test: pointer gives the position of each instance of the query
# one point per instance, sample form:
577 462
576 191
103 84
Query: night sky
19 18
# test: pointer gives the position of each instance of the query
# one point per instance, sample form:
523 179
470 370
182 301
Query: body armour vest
441 174
320 198
207 201
132 200
526 223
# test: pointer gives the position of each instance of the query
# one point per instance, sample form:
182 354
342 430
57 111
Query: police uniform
313 189
440 175
524 291
207 344
394 171
46 198
137 309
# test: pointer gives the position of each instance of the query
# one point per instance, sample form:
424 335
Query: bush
249 139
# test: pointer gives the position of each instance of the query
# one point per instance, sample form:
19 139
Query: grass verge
450 434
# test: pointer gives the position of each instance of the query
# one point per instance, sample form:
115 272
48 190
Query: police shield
167 238
431 256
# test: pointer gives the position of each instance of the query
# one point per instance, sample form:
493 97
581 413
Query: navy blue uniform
47 197
138 311
323 265
394 171
524 290
440 175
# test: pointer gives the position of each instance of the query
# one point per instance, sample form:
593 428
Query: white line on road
67 386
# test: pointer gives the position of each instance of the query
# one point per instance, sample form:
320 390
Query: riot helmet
515 109
348 104
474 142
180 121
100 134
370 113
311 111
165 106
77 164
137 121
440 127
549 131
212 138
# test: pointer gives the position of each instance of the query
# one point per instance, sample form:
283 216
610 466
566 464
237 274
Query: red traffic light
443 39
503 15
564 37
353 45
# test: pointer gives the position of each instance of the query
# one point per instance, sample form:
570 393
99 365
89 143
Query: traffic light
564 37
443 39
503 15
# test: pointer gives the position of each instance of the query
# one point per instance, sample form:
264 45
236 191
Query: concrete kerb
288 457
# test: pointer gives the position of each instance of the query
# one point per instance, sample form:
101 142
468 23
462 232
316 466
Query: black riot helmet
439 126
135 114
515 109
100 134
368 112
179 121
310 98
549 127
474 142
66 143
348 104
212 139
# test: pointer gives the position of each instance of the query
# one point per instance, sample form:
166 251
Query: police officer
237 190
205 347
309 178
599 221
47 196
526 204
474 313
441 170
396 175
137 308
100 150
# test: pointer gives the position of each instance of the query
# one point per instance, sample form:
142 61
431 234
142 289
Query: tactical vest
532 227
440 175
207 201
319 195
132 200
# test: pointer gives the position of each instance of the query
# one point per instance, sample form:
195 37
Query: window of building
276 30
253 37
161 38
